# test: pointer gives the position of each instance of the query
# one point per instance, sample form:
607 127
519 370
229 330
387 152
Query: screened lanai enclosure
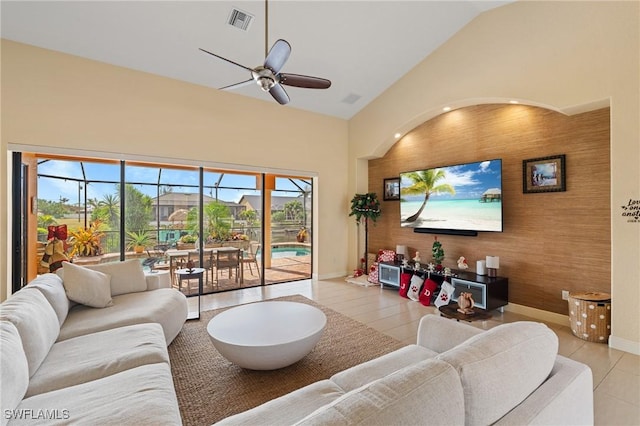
242 228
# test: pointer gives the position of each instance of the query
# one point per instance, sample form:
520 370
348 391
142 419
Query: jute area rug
210 388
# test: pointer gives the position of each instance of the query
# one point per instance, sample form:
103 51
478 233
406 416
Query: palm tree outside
425 182
107 210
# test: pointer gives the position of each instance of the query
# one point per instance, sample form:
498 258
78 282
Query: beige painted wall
569 56
67 103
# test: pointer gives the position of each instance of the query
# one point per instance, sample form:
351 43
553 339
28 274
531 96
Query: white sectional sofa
455 375
64 362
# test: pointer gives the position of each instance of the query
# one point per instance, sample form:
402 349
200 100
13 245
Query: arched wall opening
444 108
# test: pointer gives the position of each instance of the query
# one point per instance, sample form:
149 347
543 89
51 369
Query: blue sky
469 180
54 189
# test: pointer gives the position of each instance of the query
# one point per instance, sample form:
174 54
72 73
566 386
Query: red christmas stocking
405 280
428 289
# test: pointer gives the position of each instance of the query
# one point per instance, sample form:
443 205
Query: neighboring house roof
277 203
179 199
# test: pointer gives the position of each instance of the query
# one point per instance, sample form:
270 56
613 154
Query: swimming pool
287 251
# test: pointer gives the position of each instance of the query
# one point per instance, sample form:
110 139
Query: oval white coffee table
267 335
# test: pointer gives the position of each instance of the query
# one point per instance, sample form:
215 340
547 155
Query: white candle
480 267
493 262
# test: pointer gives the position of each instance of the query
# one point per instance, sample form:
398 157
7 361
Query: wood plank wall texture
551 241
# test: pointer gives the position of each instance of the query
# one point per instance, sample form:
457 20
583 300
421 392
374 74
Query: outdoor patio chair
208 262
249 257
228 259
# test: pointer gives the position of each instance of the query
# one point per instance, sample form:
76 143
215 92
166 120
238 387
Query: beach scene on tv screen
465 197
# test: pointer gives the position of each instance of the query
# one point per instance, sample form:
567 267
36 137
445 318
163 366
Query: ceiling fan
268 76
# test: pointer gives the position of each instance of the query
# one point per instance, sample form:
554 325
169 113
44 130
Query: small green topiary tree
365 207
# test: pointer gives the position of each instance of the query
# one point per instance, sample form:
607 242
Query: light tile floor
616 374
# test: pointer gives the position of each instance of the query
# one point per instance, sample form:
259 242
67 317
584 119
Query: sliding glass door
287 255
166 215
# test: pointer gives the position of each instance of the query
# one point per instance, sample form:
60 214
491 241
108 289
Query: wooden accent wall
551 241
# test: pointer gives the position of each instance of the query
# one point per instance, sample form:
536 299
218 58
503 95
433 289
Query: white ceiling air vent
351 98
240 19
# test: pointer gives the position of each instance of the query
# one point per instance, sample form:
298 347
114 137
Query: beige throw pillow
126 276
86 286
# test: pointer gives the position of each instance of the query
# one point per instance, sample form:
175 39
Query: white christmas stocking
414 288
444 297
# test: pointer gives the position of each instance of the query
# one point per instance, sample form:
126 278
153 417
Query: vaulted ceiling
361 46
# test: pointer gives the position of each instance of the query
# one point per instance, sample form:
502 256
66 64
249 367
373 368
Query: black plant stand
187 274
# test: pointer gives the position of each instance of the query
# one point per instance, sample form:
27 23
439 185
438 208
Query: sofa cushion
51 287
140 396
428 392
441 334
36 322
501 367
88 287
289 408
377 368
165 306
14 369
96 355
126 276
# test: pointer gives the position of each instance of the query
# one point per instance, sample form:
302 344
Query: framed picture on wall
545 174
391 189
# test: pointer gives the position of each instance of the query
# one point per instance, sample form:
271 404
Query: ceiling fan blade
238 85
306 81
278 55
279 94
228 60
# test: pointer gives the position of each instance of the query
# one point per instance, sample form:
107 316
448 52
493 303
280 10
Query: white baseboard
538 314
614 342
624 345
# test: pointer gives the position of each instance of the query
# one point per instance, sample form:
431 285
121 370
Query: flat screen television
462 199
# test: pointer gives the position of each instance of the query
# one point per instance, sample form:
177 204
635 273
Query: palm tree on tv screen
424 182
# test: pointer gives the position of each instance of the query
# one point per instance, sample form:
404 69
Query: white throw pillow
86 286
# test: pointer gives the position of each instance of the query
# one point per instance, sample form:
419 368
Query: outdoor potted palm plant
138 241
86 242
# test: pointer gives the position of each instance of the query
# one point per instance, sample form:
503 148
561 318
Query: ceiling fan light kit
268 76
264 77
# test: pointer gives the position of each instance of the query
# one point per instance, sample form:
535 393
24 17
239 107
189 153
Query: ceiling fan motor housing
265 78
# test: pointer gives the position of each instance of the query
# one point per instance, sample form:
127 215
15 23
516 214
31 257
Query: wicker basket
590 316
